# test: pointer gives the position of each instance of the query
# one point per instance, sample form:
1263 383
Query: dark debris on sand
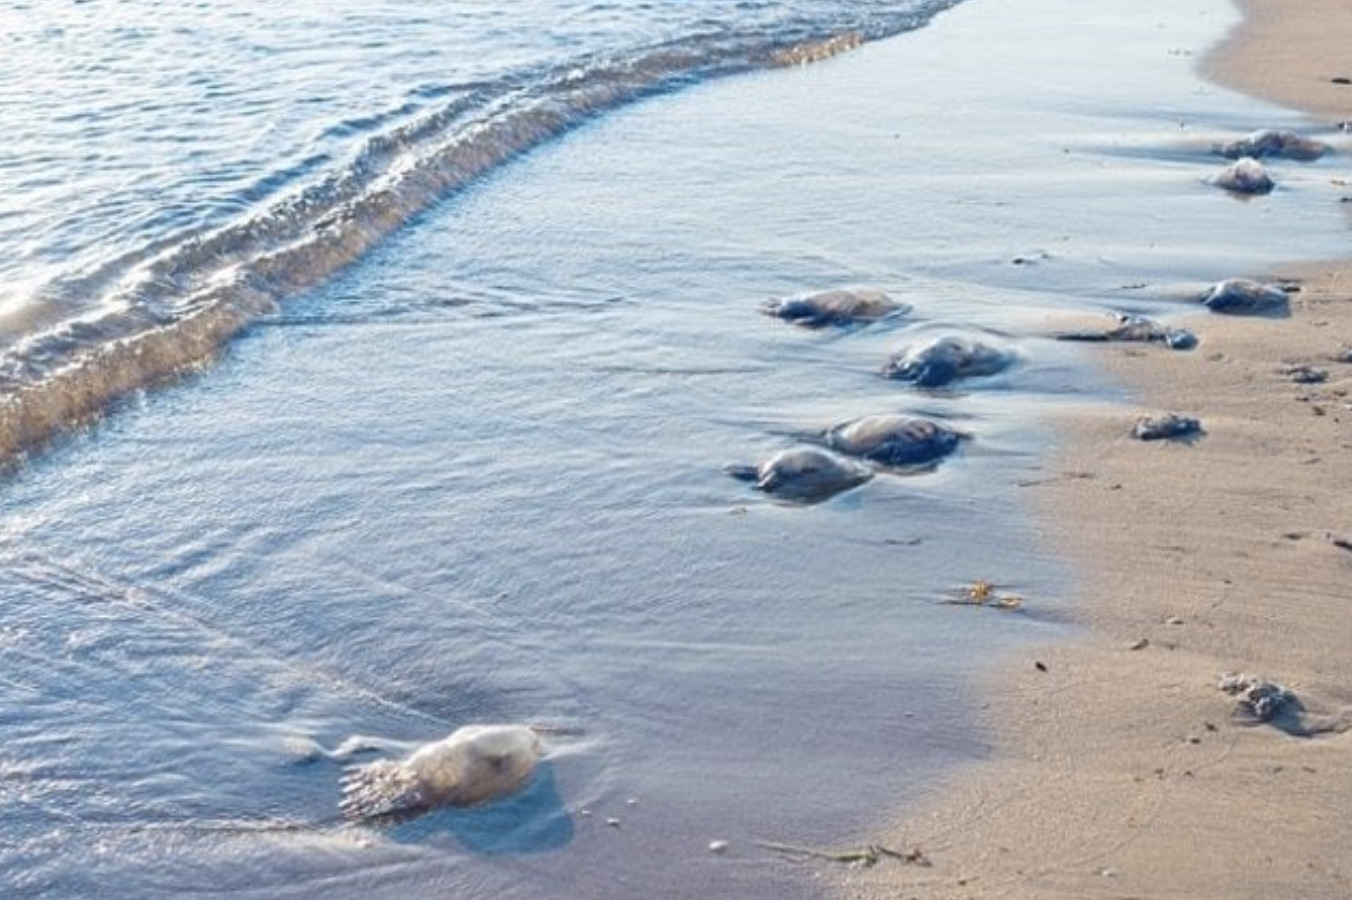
1170 426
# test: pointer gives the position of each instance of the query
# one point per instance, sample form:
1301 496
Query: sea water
464 463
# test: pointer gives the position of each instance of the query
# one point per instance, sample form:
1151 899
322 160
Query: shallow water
478 477
176 171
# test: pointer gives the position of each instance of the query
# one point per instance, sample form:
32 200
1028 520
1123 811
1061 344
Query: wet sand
1121 770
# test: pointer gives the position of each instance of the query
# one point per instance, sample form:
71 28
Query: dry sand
1121 770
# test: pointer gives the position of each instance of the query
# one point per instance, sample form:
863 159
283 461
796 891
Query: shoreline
1121 769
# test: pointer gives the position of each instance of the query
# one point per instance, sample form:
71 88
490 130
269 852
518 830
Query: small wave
158 311
816 51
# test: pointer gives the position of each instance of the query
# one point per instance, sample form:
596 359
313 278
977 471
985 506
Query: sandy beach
480 473
1121 769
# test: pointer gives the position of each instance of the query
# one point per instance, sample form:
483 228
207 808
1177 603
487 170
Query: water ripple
184 169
